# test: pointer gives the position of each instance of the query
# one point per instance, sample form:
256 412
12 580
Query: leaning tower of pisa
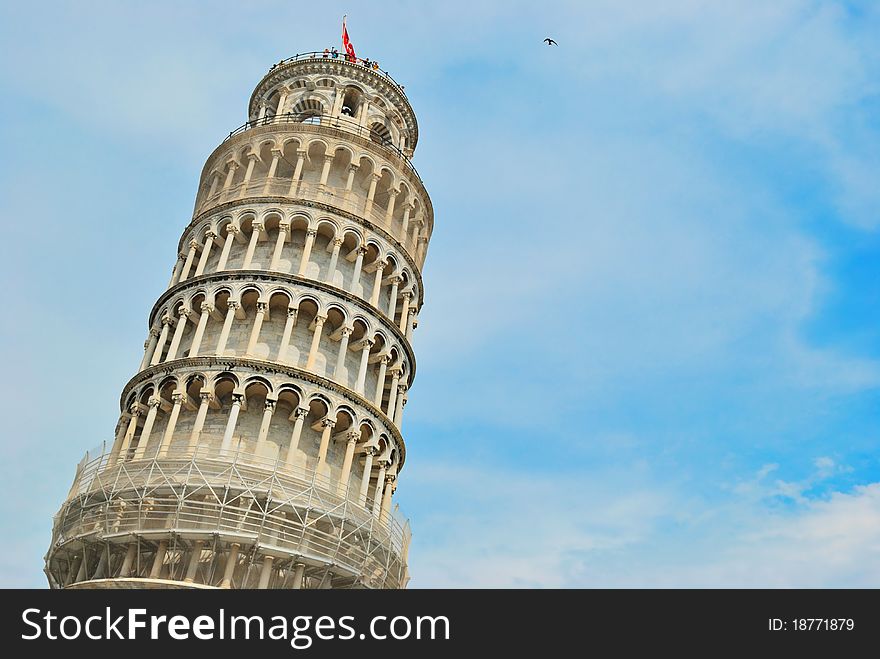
259 443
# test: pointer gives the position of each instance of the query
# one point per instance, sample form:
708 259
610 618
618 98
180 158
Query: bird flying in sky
550 42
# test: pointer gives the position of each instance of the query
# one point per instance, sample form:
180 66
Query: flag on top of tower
346 42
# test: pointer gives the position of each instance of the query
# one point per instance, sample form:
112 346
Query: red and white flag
346 42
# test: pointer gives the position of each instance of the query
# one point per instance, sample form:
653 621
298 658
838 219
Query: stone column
325 172
232 232
282 100
125 570
207 310
252 159
158 559
226 444
299 414
206 399
392 302
265 572
149 348
377 283
352 438
141 449
380 486
327 426
298 572
231 563
135 411
230 174
268 410
358 264
366 344
385 511
273 167
404 225
316 339
380 384
193 561
255 330
288 330
404 311
232 309
283 230
177 397
392 196
334 259
182 318
371 193
175 273
297 172
398 410
343 350
349 182
190 256
210 236
256 234
392 396
365 479
307 251
120 438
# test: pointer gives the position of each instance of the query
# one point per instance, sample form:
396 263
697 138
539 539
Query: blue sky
650 349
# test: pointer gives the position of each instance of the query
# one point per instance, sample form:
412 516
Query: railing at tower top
341 57
327 121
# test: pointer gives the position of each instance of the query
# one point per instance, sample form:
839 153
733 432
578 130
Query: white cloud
515 529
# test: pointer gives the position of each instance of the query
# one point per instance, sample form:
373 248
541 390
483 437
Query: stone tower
259 444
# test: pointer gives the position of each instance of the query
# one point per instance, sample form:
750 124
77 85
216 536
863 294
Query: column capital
337 242
401 389
302 153
300 413
327 422
166 320
232 304
393 192
362 250
177 397
181 257
406 295
320 320
232 229
312 232
353 167
154 332
352 436
183 311
262 306
206 396
206 307
253 156
328 157
385 359
376 176
153 402
270 405
367 343
134 409
210 234
370 450
292 311
346 331
237 399
277 153
194 244
257 226
284 226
